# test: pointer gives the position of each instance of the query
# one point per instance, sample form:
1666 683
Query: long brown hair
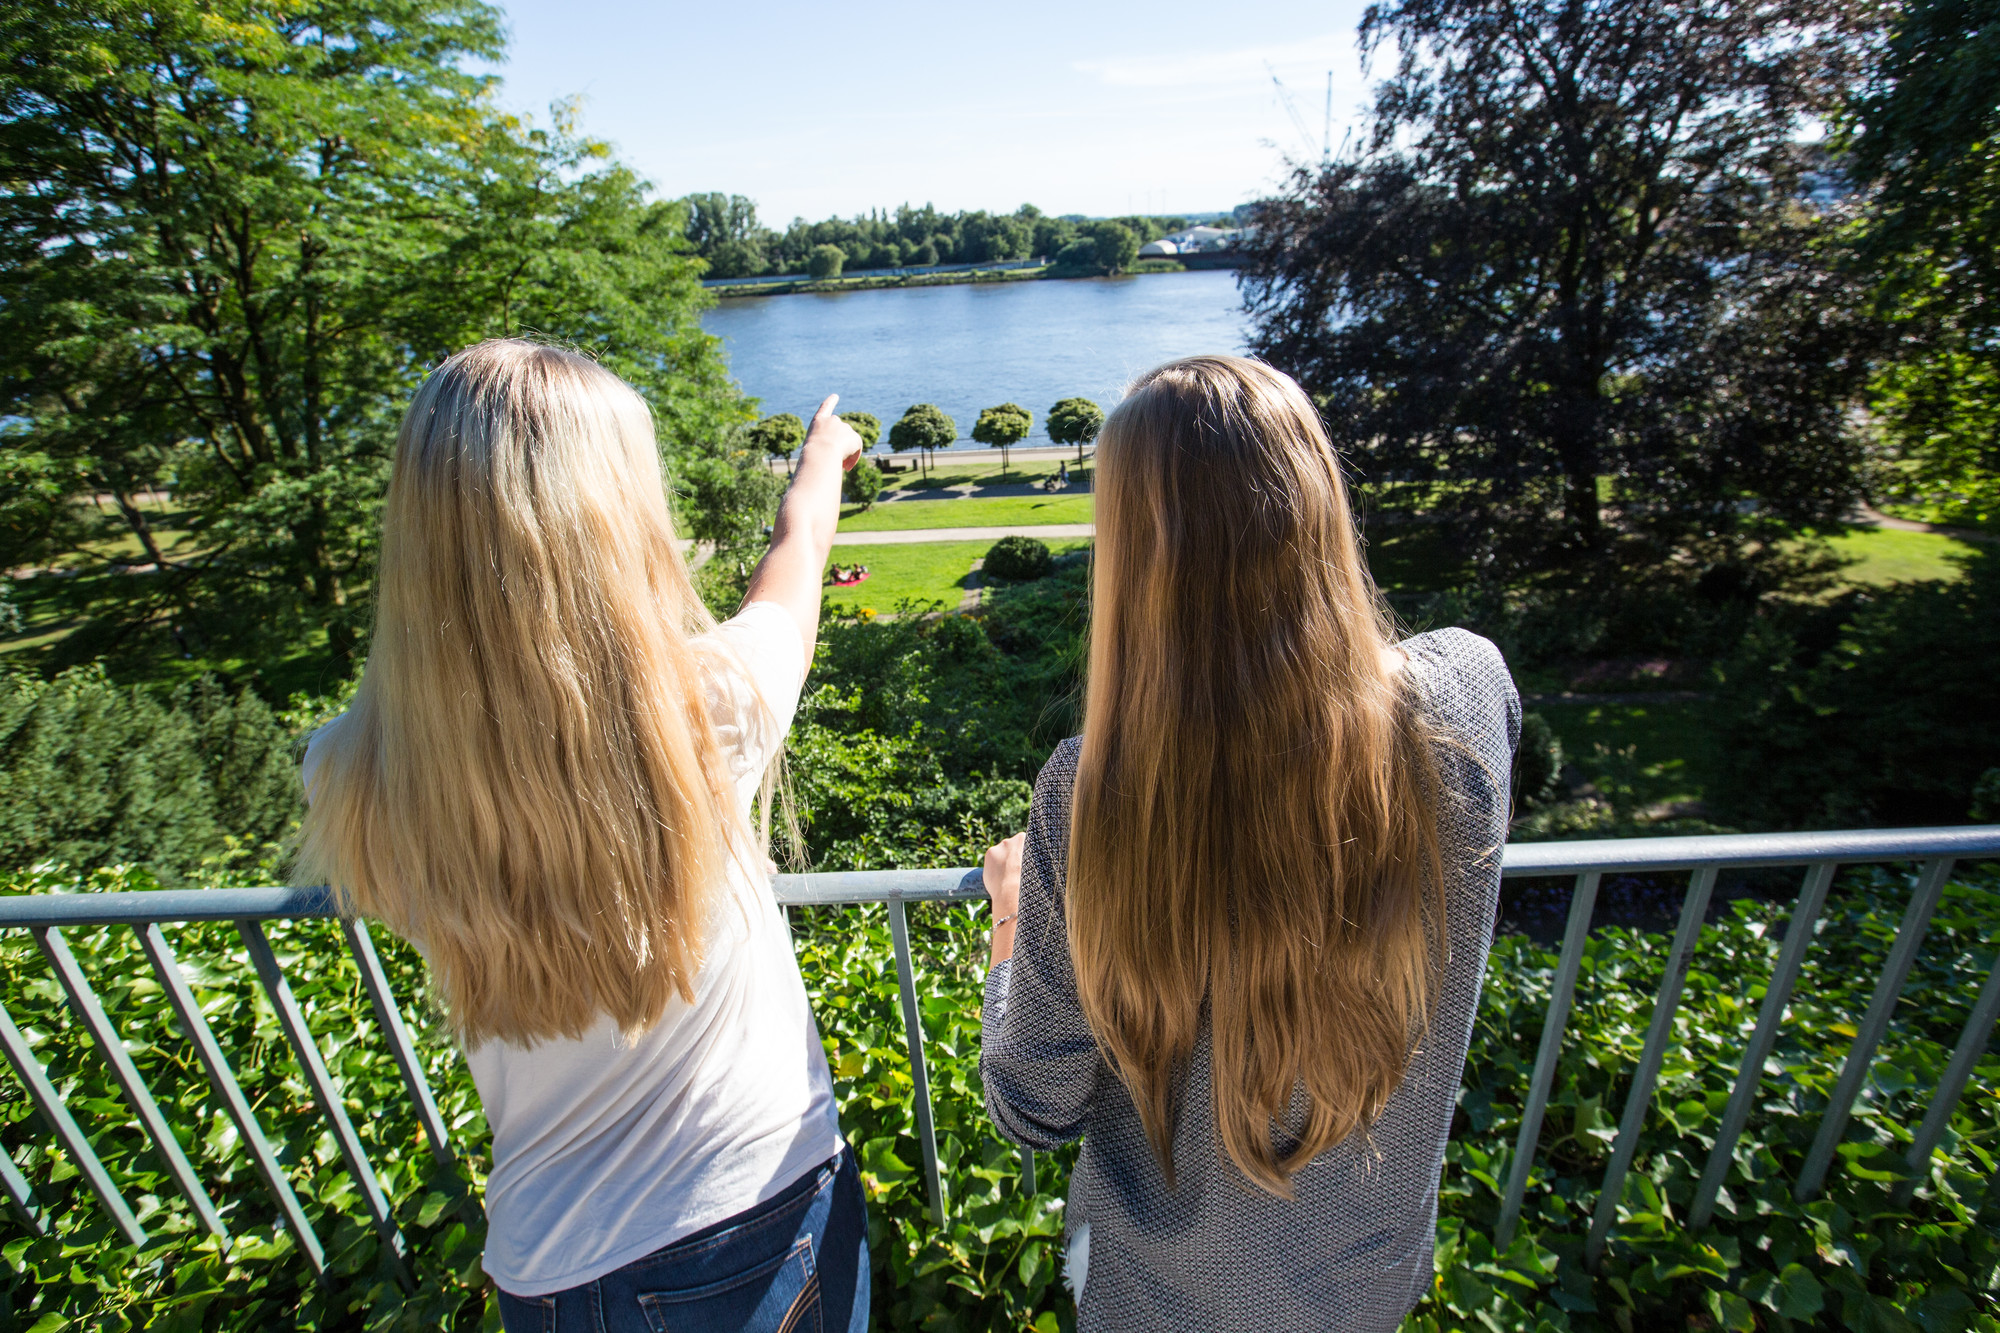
528 783
1254 829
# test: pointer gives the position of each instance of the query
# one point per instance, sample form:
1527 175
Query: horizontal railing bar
1747 851
1737 851
147 906
879 886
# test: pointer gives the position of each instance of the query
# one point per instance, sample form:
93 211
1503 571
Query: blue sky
814 110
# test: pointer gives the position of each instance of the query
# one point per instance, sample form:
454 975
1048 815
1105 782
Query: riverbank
878 278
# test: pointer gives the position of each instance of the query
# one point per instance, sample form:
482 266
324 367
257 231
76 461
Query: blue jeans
797 1263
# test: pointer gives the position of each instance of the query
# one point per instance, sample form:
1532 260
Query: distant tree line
725 232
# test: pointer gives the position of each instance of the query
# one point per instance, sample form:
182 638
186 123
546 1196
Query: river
975 345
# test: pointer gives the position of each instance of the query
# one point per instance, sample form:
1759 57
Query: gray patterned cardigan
1352 1250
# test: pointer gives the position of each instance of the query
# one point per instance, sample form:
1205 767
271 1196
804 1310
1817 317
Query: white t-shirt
603 1152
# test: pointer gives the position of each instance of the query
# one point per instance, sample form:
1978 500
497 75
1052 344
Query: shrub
862 485
1078 254
866 424
1537 763
826 261
1877 710
92 774
1018 559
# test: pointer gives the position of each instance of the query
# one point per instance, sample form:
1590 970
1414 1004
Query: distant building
1193 241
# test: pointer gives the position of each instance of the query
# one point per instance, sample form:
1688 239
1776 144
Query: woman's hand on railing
1002 872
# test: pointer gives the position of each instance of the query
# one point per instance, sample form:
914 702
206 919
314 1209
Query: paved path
911 535
1872 516
1013 489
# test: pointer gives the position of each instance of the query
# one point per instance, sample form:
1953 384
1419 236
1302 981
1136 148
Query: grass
1882 556
1638 754
923 571
1981 517
1018 511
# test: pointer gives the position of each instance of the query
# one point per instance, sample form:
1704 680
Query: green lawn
1881 556
926 571
1637 754
1005 512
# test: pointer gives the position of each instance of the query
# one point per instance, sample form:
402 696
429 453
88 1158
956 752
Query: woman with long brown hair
1239 948
545 783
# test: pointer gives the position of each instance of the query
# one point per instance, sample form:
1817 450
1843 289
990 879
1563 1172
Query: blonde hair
528 783
1253 832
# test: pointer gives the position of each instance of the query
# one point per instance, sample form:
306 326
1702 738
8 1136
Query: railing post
1582 900
23 1196
1972 1041
223 1078
1777 997
913 1032
390 1019
1889 989
293 1021
1650 1059
84 1002
50 1103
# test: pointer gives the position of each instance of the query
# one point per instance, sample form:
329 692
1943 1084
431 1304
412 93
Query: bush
1875 710
1018 559
1078 254
826 261
1537 764
862 485
92 774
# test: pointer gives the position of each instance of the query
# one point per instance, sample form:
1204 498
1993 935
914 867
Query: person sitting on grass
545 783
1239 949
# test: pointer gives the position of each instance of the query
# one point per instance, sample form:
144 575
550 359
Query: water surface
975 345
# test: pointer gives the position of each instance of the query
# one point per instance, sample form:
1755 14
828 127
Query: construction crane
1298 119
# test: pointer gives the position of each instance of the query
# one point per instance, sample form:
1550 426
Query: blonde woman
1239 947
545 783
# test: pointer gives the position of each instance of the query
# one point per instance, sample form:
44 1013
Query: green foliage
1116 246
1537 763
925 426
779 435
866 424
1874 710
92 774
1080 254
727 499
252 230
1986 797
862 485
1003 426
1851 1258
1075 421
1018 559
825 261
1921 131
1651 304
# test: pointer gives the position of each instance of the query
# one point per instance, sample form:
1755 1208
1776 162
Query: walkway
1874 517
913 535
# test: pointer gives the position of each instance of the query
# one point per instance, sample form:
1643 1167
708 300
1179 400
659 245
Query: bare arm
789 573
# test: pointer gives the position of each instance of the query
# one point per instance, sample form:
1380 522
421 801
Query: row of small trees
926 428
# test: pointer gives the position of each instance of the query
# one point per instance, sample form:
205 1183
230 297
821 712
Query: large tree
1578 245
1924 133
232 237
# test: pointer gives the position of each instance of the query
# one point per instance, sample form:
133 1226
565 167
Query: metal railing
1818 855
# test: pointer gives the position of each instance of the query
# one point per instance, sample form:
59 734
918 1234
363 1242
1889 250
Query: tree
723 229
1576 245
1002 428
1117 246
1075 421
925 427
826 261
233 237
1922 132
866 424
779 436
862 484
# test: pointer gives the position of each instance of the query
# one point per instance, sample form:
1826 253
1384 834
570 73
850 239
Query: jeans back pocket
780 1295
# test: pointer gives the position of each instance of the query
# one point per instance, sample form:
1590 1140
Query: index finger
826 408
